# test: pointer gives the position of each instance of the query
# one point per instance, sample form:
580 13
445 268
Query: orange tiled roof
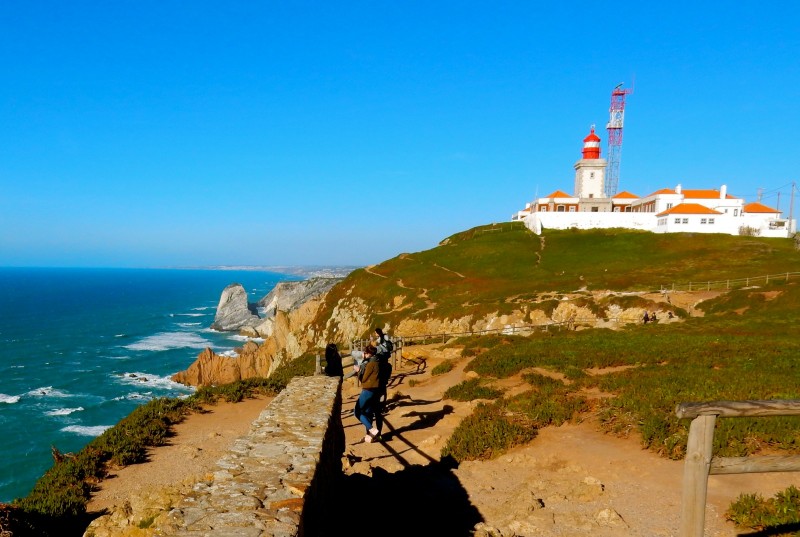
688 208
756 207
705 194
625 195
559 194
662 191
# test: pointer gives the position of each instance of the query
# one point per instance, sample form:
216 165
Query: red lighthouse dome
591 146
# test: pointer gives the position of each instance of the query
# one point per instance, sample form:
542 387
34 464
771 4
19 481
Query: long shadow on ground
419 500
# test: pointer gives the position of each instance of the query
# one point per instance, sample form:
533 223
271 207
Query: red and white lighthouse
591 146
590 170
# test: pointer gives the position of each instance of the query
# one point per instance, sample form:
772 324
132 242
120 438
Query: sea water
81 348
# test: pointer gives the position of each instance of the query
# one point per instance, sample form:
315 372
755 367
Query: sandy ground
571 480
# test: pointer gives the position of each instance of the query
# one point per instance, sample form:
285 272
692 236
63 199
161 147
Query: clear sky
164 133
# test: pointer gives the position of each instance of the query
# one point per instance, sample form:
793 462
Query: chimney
723 192
678 189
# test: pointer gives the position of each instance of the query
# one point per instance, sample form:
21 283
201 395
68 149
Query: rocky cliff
291 307
292 333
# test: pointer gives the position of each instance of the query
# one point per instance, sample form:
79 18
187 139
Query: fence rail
699 462
729 284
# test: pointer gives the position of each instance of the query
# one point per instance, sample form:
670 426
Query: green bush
754 512
444 367
487 433
470 390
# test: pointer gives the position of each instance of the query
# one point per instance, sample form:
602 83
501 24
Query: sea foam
47 391
63 411
165 341
151 381
85 430
9 399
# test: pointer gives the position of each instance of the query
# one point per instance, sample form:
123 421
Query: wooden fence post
318 366
695 476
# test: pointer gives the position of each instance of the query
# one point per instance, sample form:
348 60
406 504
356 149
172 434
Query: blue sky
165 133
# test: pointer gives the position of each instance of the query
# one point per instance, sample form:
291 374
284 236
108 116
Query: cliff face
282 330
305 325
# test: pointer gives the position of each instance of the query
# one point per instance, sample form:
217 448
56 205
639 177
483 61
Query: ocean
81 348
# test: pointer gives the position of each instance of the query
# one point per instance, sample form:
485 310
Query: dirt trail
571 480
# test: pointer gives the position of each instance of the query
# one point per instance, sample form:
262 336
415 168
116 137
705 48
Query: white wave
63 411
238 337
85 430
187 325
190 314
170 340
47 391
151 381
9 399
120 335
17 367
135 396
203 308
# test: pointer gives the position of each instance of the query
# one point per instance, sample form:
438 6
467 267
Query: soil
571 480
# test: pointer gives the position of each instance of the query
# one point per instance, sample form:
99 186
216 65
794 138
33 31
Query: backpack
386 347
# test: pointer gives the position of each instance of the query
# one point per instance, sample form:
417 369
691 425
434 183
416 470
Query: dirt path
569 481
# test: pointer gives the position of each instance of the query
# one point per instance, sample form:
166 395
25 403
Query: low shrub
470 390
485 434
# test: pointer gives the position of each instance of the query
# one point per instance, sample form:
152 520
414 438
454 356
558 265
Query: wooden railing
700 463
725 285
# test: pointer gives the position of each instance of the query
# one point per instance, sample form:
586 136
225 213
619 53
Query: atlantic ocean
81 348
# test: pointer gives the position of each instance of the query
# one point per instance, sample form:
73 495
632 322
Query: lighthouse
590 170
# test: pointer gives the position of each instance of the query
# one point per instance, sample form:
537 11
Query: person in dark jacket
384 356
368 406
333 361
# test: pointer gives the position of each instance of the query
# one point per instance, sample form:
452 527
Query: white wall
588 220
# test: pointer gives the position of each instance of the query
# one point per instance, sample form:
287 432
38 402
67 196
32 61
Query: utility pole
791 207
760 191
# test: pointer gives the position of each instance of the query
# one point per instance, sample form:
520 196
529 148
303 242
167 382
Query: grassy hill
496 268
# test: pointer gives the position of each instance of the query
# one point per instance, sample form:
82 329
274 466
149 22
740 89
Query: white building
664 211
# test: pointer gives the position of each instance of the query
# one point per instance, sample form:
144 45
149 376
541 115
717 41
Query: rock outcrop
234 311
284 332
288 296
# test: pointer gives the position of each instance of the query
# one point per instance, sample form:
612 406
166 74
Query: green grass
497 269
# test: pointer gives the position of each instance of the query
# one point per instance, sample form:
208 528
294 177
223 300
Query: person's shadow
419 500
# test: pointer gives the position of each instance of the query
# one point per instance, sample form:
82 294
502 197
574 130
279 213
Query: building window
628 209
560 209
685 221
669 206
591 175
572 208
710 220
591 195
677 220
543 209
736 212
702 220
616 209
595 210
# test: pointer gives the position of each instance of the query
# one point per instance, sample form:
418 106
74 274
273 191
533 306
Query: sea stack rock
233 310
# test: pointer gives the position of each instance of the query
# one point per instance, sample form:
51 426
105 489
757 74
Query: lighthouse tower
590 170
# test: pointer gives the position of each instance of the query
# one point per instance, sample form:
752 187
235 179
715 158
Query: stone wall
272 481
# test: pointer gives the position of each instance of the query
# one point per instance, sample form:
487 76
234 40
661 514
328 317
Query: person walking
384 348
368 406
333 361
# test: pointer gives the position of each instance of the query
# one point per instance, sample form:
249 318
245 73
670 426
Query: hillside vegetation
499 268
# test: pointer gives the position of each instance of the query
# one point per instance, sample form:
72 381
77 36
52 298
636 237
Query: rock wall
272 482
